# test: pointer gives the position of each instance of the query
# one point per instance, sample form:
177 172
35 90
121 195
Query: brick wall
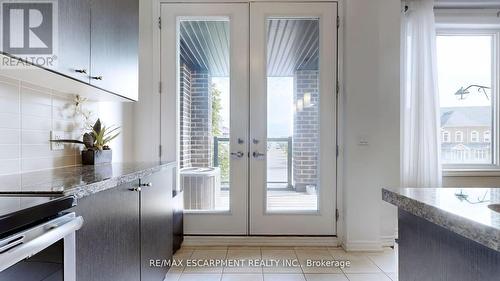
196 140
185 116
306 131
201 120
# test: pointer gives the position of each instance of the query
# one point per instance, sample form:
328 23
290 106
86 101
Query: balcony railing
276 169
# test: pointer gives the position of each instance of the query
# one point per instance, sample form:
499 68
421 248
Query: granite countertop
468 216
79 181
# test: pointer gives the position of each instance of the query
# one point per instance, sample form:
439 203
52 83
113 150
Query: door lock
238 154
258 155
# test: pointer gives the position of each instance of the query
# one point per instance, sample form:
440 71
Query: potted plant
96 143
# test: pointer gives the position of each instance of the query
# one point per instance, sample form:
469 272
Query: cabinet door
107 245
73 53
156 223
114 46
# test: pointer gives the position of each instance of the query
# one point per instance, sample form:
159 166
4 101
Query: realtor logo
29 30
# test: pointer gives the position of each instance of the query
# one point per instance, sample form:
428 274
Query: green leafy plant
98 139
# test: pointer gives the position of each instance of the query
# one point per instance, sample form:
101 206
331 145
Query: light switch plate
56 135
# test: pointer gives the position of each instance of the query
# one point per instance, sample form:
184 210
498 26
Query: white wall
370 106
146 121
371 113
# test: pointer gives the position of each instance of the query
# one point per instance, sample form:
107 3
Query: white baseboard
362 246
286 241
387 241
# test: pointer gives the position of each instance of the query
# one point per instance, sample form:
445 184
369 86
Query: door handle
137 189
149 184
238 154
96 77
83 71
258 155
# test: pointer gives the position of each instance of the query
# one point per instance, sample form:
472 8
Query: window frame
459 136
445 137
476 134
488 132
473 22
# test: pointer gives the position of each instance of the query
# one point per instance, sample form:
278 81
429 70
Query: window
474 136
465 60
445 136
487 137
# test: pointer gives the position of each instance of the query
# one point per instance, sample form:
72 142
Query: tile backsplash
28 114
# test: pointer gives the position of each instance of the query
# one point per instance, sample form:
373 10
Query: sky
280 104
462 61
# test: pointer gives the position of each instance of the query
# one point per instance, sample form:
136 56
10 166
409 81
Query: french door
250 93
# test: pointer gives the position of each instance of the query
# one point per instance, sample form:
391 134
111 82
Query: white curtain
420 143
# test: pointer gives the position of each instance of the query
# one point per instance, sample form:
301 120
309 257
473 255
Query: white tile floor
380 266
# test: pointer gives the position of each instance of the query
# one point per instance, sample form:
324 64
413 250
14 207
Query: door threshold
264 241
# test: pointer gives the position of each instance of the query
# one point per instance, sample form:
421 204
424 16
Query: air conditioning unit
201 187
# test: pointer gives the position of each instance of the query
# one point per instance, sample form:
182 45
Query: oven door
44 252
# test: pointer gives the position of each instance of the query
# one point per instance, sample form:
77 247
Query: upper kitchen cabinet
96 48
73 53
114 46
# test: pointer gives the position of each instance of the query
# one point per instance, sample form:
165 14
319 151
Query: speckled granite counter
469 217
80 181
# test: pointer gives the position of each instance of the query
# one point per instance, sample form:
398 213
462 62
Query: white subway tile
33 164
9 166
35 137
36 109
9 91
29 95
65 125
10 121
44 150
8 105
10 136
36 123
9 151
37 88
10 182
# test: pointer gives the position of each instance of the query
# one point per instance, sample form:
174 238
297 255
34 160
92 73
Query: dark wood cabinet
125 228
156 223
73 41
114 46
107 246
97 44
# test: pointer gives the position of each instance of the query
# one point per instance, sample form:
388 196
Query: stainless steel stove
37 238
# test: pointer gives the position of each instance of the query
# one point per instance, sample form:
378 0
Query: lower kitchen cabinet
156 223
107 245
126 227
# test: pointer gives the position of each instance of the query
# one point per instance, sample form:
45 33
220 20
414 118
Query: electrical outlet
56 135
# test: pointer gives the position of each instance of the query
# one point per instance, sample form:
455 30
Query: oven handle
32 247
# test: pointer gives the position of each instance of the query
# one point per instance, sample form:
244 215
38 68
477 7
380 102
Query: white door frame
317 222
234 221
154 14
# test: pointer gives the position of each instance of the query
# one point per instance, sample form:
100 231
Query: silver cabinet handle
238 154
138 189
146 184
96 77
258 155
83 71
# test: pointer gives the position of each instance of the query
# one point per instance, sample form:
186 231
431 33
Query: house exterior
466 135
